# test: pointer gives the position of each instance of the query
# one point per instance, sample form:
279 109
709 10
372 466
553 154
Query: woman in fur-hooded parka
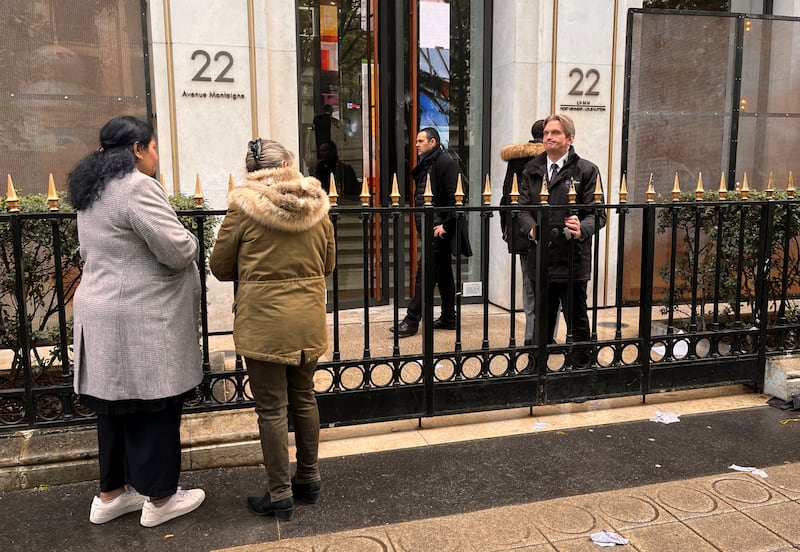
277 241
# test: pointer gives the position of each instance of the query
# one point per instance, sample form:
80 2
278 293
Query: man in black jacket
570 227
444 171
517 156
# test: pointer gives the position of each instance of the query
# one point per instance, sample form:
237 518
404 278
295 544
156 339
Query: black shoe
263 506
444 324
404 329
307 493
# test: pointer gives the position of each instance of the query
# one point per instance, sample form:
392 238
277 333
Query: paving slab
536 491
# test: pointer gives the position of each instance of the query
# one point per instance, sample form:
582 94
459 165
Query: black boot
263 506
307 493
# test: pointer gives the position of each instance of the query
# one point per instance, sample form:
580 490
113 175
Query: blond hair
266 154
566 122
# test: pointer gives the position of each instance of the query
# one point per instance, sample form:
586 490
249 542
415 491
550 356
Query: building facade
364 75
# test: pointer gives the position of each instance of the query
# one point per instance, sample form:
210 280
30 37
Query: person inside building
443 171
517 156
570 227
136 325
277 241
343 174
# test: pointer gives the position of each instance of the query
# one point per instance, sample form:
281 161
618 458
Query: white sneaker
182 502
128 501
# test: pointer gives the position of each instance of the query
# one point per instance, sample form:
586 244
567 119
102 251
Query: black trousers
575 314
141 449
443 278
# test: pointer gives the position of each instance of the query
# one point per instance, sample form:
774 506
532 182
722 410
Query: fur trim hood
521 151
281 199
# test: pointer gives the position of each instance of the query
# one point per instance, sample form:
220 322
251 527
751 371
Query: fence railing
703 292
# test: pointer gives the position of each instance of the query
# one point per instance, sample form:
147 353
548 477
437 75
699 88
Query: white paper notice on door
434 25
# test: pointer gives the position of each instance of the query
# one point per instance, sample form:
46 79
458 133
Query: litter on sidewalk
665 417
754 471
607 538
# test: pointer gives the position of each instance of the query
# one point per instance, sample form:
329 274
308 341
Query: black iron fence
690 292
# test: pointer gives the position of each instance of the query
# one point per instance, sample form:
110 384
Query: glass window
334 93
67 68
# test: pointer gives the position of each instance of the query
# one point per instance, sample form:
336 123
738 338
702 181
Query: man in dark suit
559 167
443 171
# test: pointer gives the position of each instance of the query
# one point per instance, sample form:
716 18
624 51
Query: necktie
553 171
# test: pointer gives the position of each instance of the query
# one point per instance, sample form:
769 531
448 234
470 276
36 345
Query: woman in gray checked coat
135 313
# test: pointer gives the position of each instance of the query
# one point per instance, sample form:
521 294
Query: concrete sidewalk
490 482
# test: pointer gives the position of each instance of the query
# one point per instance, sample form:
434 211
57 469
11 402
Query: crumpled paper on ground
607 538
665 417
539 426
754 471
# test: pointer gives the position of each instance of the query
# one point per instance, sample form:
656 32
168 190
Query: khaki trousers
276 389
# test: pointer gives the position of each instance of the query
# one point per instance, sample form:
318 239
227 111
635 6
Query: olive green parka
277 241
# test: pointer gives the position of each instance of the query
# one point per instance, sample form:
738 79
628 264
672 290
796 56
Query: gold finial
231 185
543 193
459 195
487 191
52 196
427 196
790 187
161 181
514 193
651 191
770 191
198 193
395 195
333 194
598 190
698 192
12 201
572 194
623 190
365 196
676 188
745 189
723 188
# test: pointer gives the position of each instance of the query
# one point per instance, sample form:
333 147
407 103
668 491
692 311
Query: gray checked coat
136 307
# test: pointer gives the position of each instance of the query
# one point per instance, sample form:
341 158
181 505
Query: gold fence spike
364 196
12 201
514 193
598 190
395 195
427 196
543 193
333 193
698 192
770 191
676 188
52 195
198 193
231 184
745 189
459 195
723 188
572 193
487 191
651 191
790 187
623 190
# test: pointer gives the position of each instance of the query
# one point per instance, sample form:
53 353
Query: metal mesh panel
67 68
708 94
